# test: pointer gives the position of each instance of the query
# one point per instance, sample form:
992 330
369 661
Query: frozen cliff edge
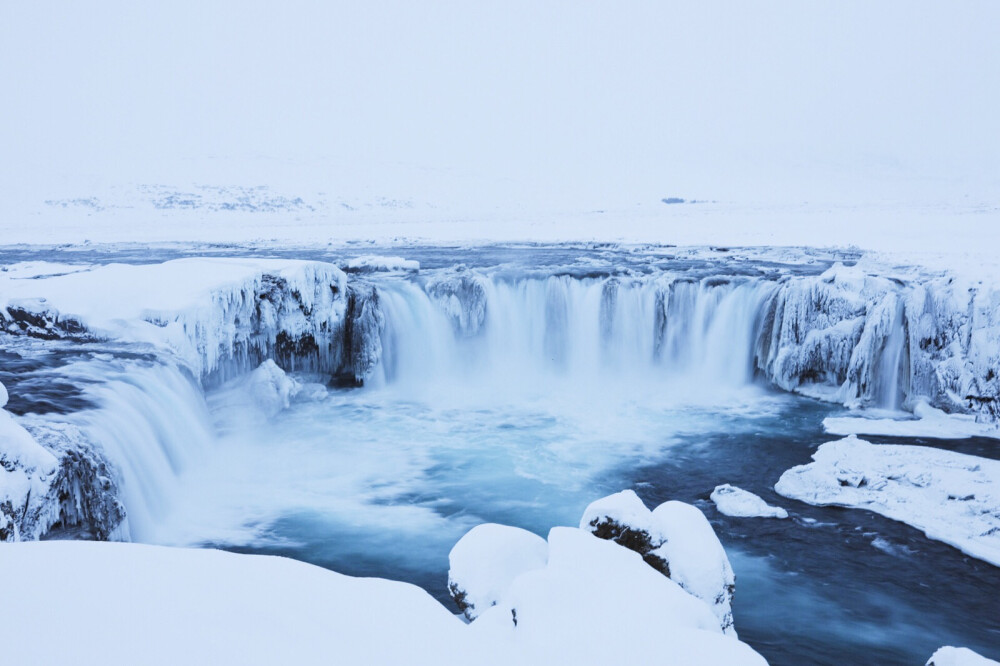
221 317
951 497
167 606
63 485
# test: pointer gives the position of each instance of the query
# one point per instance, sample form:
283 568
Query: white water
566 378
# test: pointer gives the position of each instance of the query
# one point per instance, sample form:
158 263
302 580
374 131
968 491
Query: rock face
675 539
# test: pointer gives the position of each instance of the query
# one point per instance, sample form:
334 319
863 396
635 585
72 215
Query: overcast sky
718 97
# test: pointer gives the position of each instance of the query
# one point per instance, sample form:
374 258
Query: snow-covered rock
590 602
740 503
485 562
959 656
675 539
951 497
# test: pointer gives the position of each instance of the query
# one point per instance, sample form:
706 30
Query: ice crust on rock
959 656
675 539
371 263
64 483
739 503
951 497
222 317
484 563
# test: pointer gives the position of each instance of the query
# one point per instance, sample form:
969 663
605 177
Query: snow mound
740 503
486 561
951 497
959 656
587 604
930 422
675 539
26 473
4 397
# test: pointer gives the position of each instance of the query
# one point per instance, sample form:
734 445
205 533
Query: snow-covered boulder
675 539
959 656
485 562
951 497
739 503
594 601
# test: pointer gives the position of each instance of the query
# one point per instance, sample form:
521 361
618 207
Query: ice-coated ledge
929 422
951 497
739 503
209 312
128 603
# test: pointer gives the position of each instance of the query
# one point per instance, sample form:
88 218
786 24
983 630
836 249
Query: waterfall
150 420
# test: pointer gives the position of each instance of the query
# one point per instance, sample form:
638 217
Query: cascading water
581 330
151 421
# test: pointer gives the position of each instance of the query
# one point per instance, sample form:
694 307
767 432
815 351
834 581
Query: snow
485 562
371 263
733 501
129 603
958 656
951 497
675 539
930 422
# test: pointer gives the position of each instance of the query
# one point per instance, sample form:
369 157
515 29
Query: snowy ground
929 422
99 603
951 497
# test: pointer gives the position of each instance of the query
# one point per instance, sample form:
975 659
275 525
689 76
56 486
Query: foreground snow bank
956 656
739 503
951 497
675 539
590 601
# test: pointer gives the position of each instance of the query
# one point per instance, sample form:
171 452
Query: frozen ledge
951 497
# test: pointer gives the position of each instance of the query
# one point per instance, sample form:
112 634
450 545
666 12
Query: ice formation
951 497
740 503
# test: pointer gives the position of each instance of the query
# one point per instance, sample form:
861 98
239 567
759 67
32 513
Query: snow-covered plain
951 497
